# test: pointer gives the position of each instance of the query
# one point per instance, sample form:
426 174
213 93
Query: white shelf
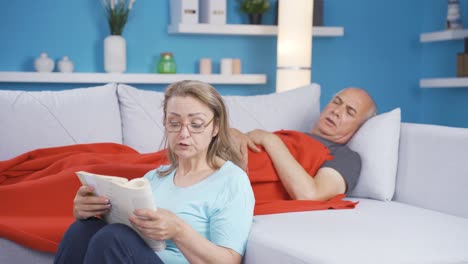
258 30
444 35
129 78
444 83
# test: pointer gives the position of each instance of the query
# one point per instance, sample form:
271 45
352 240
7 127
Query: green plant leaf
254 6
117 15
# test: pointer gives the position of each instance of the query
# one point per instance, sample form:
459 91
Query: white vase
115 54
65 65
44 63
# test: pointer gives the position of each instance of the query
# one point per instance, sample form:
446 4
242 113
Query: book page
125 197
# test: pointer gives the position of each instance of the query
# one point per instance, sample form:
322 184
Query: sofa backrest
31 119
142 124
123 114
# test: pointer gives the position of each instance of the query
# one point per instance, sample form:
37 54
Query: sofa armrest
433 169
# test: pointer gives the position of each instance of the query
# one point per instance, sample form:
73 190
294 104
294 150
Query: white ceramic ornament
44 63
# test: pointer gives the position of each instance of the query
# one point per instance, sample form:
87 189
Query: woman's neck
190 172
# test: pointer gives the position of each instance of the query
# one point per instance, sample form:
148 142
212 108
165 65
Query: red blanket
37 188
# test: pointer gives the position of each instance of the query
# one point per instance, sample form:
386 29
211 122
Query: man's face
343 115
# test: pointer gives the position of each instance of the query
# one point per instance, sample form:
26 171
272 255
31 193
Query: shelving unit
149 78
253 30
445 35
444 82
128 78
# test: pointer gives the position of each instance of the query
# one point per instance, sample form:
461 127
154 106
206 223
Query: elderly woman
205 201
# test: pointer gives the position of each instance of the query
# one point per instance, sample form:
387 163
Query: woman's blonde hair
221 145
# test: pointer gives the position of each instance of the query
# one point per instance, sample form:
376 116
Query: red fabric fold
37 188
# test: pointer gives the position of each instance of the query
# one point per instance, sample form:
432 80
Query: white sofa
412 192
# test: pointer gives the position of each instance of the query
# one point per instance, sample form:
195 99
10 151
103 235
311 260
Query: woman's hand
158 225
87 205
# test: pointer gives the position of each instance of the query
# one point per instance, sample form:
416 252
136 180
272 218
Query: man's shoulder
335 147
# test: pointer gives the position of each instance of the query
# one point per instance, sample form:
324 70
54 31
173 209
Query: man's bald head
344 114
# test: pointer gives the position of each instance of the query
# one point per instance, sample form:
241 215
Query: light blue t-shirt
220 207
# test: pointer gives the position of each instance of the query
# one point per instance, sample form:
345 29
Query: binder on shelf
213 12
184 11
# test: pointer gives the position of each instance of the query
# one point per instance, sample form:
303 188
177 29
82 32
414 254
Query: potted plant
254 9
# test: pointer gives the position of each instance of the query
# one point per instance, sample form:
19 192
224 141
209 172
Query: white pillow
296 109
143 130
31 120
142 118
377 142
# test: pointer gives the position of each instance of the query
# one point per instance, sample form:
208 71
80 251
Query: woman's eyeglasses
175 126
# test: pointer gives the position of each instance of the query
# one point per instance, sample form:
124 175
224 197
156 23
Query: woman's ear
215 130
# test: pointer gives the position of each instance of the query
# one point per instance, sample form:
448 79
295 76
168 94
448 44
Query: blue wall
438 60
380 51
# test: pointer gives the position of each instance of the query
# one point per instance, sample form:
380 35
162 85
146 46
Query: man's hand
243 142
260 137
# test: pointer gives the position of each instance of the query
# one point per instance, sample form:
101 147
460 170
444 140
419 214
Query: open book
125 197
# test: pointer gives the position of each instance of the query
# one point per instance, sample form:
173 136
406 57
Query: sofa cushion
32 120
373 232
141 112
377 143
12 252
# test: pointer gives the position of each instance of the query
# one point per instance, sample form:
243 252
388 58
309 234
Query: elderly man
337 123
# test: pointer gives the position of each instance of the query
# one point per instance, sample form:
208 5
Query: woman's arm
197 249
163 224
